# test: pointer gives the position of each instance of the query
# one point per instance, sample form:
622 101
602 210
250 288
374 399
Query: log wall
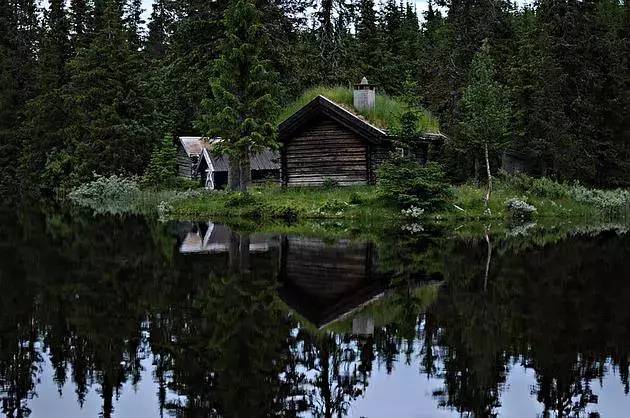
325 150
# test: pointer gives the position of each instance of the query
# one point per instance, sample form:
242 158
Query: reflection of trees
329 372
86 290
559 308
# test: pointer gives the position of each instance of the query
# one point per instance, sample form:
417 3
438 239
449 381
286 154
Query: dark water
102 316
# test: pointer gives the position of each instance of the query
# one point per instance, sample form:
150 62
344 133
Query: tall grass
386 113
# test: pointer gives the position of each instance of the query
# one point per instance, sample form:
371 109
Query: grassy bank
364 204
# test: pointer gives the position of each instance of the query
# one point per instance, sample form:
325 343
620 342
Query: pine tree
369 43
162 168
158 31
45 115
18 41
194 41
108 128
134 22
485 112
81 22
242 107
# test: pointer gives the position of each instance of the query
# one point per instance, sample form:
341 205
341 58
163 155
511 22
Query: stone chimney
364 96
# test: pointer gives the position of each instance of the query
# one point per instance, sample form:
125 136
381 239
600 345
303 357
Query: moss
386 113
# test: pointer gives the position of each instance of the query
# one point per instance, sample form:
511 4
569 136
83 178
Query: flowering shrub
518 209
113 194
164 209
610 202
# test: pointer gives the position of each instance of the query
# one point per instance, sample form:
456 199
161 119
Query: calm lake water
129 317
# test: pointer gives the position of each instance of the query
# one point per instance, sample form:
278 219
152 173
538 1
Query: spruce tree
241 108
18 41
133 21
45 115
369 43
162 168
108 129
81 22
158 31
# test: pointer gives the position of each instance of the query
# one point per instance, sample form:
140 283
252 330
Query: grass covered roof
385 115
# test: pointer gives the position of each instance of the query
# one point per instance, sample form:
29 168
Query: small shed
212 169
189 150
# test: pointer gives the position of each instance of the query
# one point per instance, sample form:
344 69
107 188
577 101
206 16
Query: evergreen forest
93 86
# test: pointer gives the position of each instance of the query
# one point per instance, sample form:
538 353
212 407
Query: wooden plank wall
184 163
326 150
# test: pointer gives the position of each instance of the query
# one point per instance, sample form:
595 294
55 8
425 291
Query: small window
400 151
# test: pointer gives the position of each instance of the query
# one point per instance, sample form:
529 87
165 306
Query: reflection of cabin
213 169
326 282
325 141
214 238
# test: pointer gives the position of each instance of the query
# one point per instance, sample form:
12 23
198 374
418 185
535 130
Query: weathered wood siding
325 150
184 163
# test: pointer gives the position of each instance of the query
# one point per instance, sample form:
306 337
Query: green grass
364 205
360 203
471 199
386 113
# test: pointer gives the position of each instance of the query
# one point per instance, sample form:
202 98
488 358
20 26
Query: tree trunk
234 174
489 192
246 172
244 264
233 252
476 169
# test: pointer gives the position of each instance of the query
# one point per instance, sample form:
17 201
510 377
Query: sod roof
385 115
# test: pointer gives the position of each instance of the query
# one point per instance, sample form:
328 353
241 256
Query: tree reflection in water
264 325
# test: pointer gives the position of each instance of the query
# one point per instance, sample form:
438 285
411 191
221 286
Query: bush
286 212
407 183
333 205
240 199
547 188
356 199
111 194
611 202
519 182
517 209
102 188
330 183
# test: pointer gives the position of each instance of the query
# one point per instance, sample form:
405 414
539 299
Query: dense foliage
87 86
408 183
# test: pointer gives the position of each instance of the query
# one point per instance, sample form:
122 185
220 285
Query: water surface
129 317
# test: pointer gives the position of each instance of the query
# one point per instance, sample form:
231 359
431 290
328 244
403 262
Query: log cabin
325 141
196 160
